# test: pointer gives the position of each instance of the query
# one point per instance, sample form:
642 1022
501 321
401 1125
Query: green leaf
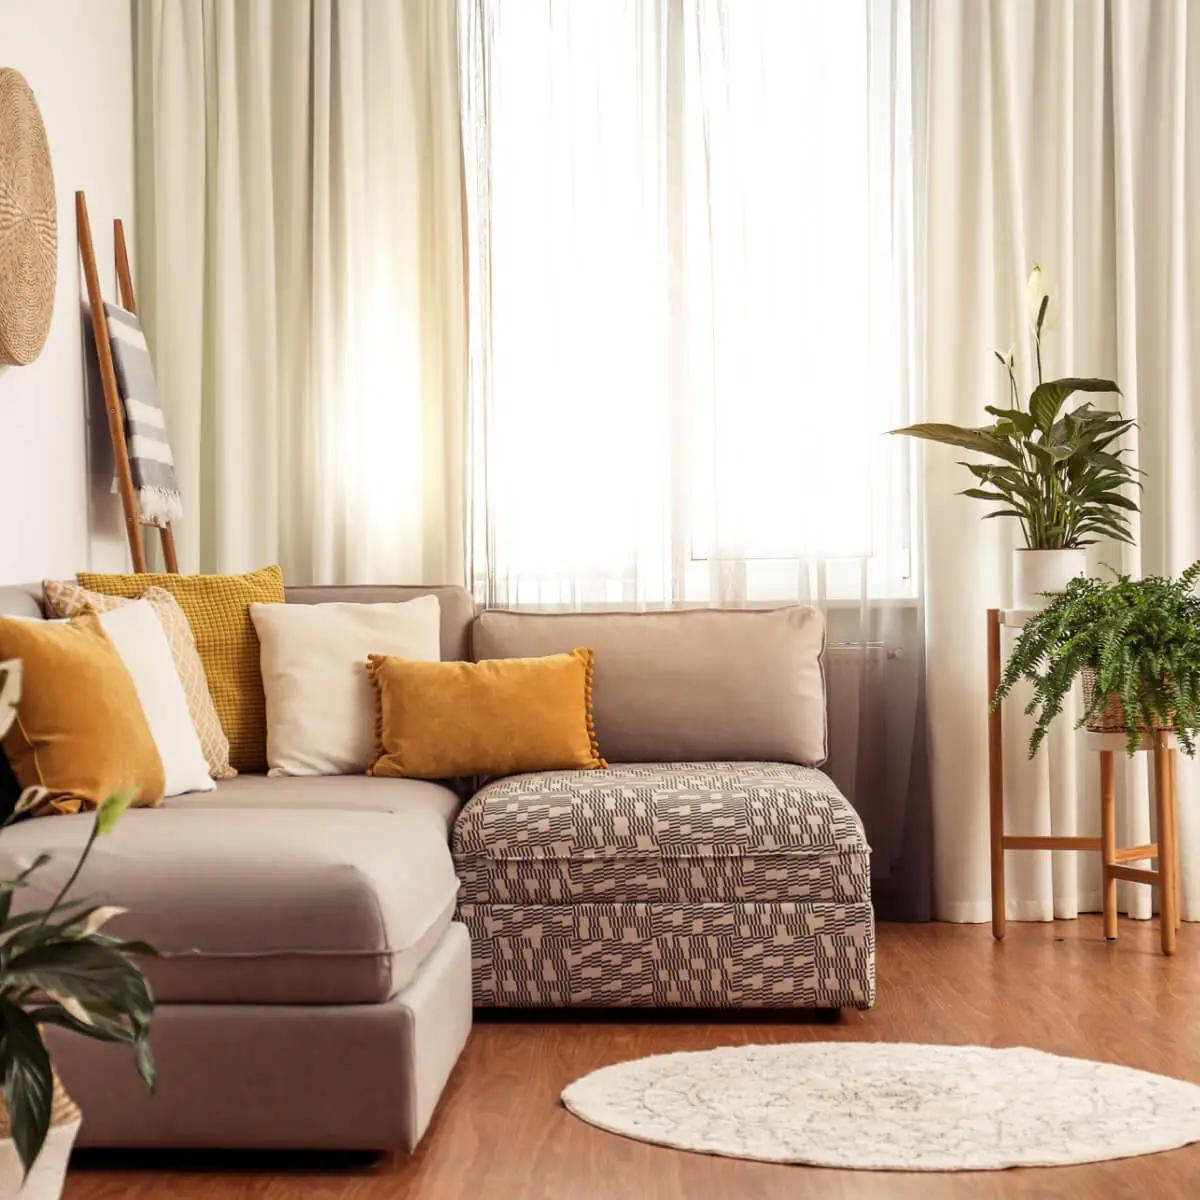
17 881
982 441
145 1064
126 945
94 974
31 916
112 809
1041 317
1116 500
102 1028
1015 416
28 1082
1048 397
983 494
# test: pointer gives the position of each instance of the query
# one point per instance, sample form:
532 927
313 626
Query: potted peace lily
1135 643
57 968
1057 471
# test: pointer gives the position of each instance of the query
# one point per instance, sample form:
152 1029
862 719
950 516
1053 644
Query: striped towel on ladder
150 461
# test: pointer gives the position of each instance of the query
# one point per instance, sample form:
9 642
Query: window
689 247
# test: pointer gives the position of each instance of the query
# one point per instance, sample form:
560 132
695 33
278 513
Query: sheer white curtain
690 238
1066 133
300 243
689 229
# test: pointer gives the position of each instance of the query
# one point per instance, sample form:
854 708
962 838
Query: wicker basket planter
1110 719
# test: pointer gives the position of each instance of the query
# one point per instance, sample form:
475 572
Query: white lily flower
72 1006
98 918
10 693
31 797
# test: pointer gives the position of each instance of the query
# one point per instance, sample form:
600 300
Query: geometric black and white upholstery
717 884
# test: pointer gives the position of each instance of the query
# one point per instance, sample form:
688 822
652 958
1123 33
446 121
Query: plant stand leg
1166 842
995 775
1174 798
1108 834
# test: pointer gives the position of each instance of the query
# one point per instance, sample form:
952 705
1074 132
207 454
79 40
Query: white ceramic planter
46 1180
1037 571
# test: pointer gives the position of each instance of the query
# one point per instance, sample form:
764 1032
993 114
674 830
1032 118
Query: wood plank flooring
501 1135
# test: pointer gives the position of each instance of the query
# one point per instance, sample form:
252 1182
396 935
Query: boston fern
57 968
1058 473
1141 637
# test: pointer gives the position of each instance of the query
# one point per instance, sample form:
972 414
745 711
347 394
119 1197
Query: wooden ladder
134 521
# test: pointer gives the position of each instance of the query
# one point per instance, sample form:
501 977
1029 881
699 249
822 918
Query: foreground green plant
1058 473
1141 637
57 968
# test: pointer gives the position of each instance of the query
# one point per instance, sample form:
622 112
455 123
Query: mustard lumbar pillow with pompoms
501 717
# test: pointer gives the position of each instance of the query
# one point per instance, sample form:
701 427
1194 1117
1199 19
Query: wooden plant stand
1161 744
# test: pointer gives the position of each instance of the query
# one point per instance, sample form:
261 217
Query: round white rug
891 1106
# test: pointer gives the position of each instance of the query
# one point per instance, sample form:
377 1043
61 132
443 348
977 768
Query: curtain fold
1064 133
300 235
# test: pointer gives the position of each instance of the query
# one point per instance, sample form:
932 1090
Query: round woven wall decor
28 224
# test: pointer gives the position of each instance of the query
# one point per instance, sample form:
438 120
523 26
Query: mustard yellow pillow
81 731
501 717
218 610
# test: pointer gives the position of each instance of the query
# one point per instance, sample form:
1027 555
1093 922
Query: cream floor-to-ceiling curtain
300 244
1064 133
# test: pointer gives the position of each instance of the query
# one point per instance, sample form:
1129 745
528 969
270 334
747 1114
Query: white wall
57 514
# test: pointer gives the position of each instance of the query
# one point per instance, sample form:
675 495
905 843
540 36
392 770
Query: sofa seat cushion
670 833
300 906
424 803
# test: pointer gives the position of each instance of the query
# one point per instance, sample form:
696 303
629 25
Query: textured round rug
891 1106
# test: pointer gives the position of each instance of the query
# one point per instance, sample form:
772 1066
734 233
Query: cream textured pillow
320 711
138 635
65 598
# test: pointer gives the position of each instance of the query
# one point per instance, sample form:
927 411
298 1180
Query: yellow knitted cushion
218 609
500 717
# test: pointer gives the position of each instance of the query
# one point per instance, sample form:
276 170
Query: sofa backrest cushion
457 608
692 685
21 600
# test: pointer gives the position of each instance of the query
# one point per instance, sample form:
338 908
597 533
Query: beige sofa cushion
335 793
299 906
694 685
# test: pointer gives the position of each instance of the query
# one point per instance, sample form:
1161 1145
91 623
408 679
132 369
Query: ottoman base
771 954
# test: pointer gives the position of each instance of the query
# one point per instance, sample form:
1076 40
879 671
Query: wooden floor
501 1135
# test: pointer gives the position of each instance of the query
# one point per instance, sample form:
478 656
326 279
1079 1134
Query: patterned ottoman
721 885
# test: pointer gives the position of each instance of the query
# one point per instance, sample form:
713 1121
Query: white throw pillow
138 635
320 713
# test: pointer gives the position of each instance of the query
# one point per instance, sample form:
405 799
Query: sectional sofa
330 936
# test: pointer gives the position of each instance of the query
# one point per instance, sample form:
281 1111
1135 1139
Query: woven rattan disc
28 224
